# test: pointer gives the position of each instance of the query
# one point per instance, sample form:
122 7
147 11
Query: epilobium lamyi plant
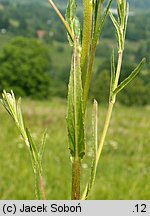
84 41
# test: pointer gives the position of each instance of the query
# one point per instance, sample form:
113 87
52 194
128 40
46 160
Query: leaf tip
144 60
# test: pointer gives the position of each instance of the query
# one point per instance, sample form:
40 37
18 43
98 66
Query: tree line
26 64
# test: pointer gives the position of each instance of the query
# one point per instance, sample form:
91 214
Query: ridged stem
75 180
86 40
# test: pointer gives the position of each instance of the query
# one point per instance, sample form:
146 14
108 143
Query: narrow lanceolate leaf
33 149
130 77
121 6
19 114
35 164
75 117
104 15
13 100
71 11
123 13
119 11
126 20
95 146
21 122
95 11
119 32
72 20
112 74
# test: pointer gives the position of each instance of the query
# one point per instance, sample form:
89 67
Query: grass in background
4 40
123 172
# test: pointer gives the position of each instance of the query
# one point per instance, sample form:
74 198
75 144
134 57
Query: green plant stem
92 56
110 109
75 180
86 40
107 121
37 184
62 19
120 54
88 76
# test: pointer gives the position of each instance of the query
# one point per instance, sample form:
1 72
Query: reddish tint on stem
75 180
42 188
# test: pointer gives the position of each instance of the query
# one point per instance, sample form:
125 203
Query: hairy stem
75 180
86 40
92 56
37 185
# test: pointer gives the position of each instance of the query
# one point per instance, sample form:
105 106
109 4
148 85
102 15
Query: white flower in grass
84 166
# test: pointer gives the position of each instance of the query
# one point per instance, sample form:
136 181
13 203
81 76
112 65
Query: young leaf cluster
121 24
120 27
13 107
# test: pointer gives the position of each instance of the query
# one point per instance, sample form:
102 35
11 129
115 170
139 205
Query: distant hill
136 4
133 3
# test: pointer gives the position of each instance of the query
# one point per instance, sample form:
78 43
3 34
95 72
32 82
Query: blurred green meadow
124 168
